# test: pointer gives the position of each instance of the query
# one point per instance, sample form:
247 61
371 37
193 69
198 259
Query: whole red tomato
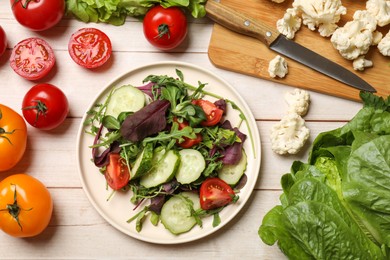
13 138
26 206
165 28
45 106
3 41
32 58
38 15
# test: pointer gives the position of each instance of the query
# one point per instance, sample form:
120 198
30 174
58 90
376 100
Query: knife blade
240 23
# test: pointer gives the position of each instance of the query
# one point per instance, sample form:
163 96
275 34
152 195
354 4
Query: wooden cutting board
232 51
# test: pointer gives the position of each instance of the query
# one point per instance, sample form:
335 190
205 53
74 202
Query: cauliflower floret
361 63
278 67
384 45
356 37
323 14
298 101
289 24
380 9
289 135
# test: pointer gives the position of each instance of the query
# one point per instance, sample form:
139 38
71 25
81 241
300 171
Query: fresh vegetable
125 99
117 172
13 138
25 206
384 45
89 47
278 67
343 189
38 15
187 142
290 23
298 101
32 58
165 28
45 106
116 11
3 41
149 141
232 173
215 193
212 112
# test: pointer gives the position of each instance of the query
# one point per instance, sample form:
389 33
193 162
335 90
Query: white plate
118 209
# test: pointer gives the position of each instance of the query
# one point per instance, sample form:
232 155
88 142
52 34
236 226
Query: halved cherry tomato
32 58
213 113
26 206
45 106
3 41
117 172
38 15
187 143
215 193
13 138
89 47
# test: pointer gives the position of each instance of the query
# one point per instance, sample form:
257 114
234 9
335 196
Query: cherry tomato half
213 113
3 41
165 28
45 106
89 47
26 206
187 143
13 138
117 173
38 15
215 193
32 58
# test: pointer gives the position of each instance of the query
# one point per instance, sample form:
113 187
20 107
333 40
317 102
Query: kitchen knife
245 25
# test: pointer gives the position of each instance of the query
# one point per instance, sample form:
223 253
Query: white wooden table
76 230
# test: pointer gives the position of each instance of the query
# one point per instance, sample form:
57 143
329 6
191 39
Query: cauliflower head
278 67
380 9
384 45
298 101
289 24
289 135
355 37
321 14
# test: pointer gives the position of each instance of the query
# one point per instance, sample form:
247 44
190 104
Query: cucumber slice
231 174
191 166
143 163
176 214
125 99
165 165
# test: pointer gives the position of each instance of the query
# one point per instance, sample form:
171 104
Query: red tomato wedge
117 173
213 113
188 143
32 58
215 193
89 47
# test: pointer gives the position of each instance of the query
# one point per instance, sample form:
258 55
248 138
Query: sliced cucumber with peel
164 167
176 214
143 163
192 164
126 98
231 174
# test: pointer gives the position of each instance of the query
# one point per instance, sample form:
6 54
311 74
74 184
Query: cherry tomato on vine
165 28
215 193
213 113
26 206
117 173
45 106
13 138
3 41
89 47
38 15
32 58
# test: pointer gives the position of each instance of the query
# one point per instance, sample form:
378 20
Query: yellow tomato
25 206
13 138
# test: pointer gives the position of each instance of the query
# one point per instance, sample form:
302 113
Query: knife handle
240 23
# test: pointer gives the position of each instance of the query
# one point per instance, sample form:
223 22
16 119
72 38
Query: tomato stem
14 209
40 107
163 29
24 5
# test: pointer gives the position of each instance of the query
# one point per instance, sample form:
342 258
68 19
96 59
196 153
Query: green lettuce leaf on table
115 11
337 205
